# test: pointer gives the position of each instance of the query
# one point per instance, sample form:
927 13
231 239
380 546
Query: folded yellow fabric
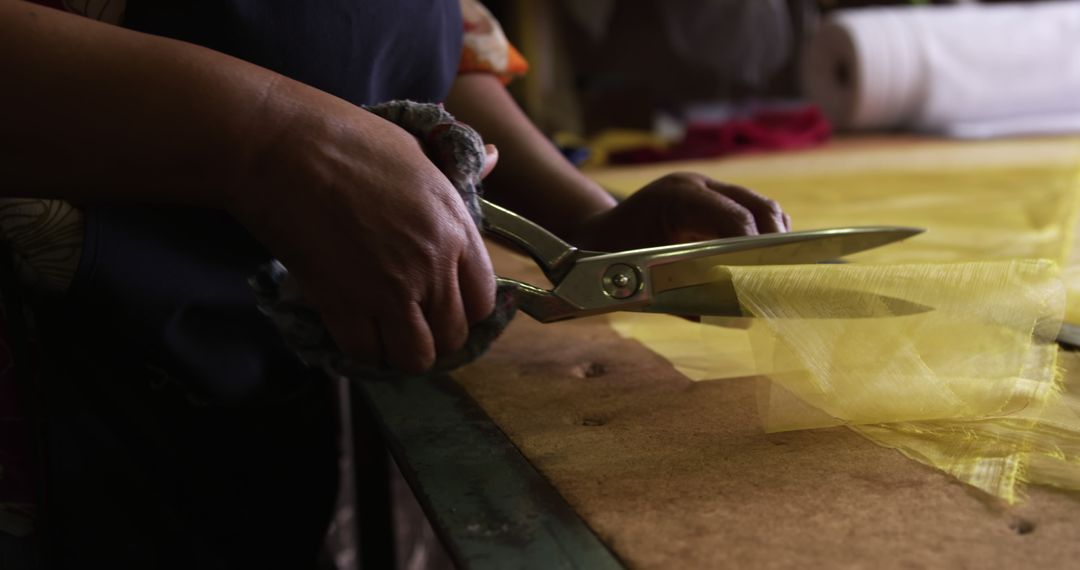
963 385
971 386
983 346
1039 444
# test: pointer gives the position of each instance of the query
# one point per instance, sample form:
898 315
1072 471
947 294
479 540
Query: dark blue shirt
364 51
165 288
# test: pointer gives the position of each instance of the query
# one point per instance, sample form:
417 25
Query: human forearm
96 112
533 178
376 237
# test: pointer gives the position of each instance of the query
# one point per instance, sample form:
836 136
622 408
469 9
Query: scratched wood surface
672 473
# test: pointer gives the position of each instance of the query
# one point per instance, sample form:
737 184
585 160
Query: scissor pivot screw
621 281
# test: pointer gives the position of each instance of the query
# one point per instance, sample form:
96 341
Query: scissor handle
540 304
553 255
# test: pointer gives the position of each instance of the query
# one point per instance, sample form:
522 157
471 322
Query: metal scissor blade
673 267
717 298
632 280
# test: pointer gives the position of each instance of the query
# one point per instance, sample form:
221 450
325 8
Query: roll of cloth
969 71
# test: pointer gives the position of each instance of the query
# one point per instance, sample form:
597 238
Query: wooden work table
671 473
674 473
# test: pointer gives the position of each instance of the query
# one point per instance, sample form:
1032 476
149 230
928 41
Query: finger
711 215
406 338
768 216
476 280
446 315
491 157
787 222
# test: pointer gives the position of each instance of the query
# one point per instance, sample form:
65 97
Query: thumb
491 157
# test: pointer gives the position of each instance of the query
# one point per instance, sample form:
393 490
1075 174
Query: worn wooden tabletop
672 473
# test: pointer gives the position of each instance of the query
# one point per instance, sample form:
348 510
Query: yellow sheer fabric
971 386
943 385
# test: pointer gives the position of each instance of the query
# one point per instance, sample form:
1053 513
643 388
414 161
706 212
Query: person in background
184 144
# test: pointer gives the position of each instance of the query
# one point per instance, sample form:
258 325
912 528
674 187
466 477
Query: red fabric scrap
774 129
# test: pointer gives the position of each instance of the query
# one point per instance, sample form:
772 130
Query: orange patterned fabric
486 49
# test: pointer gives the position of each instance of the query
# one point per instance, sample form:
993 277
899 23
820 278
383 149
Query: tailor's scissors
683 279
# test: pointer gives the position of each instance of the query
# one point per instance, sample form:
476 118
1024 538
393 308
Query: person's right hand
377 238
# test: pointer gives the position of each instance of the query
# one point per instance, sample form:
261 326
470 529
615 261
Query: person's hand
378 240
678 208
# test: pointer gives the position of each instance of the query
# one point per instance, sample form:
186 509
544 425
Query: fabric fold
975 385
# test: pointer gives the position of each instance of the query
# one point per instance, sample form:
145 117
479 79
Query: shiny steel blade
717 298
695 264
633 280
1069 336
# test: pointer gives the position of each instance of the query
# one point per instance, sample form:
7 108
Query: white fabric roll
971 71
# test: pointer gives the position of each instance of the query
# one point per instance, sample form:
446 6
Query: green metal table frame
488 504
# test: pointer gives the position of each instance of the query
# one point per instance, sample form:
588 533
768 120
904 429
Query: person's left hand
679 208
